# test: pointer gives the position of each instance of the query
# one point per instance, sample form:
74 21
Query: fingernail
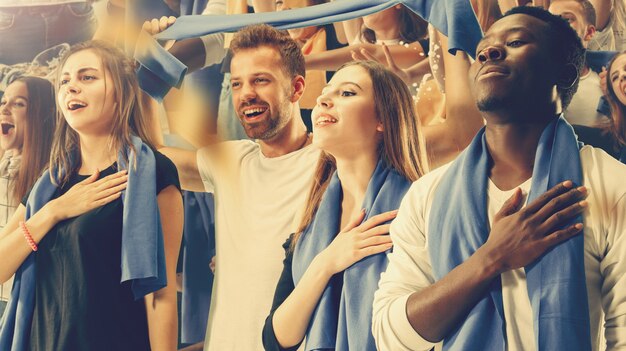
582 189
583 203
578 226
568 184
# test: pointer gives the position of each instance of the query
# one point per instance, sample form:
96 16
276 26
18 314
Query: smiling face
514 65
617 78
13 116
344 119
262 92
86 94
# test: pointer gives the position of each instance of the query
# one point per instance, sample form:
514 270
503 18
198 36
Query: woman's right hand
358 240
88 195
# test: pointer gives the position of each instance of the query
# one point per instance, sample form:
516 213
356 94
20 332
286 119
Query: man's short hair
259 35
589 12
565 47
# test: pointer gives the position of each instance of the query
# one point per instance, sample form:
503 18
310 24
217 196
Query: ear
298 85
589 33
568 76
379 127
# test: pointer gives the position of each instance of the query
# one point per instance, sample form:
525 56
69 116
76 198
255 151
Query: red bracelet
29 238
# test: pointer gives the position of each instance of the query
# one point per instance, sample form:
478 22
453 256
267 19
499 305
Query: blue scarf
198 249
159 70
143 255
556 282
343 317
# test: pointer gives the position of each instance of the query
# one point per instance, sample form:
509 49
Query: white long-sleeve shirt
410 268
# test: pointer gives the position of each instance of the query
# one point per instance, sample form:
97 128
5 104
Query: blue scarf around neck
343 317
556 281
143 254
159 70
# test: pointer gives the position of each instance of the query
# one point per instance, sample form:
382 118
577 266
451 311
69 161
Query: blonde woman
106 222
365 125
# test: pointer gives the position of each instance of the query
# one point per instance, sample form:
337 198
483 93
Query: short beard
494 103
270 130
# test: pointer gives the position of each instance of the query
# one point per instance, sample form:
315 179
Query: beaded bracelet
29 238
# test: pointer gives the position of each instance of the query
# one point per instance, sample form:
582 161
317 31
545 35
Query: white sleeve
204 159
613 270
214 43
409 270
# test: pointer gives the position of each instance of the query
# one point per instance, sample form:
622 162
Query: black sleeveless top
80 303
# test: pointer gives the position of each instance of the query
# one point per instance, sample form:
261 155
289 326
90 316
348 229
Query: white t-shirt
410 268
256 198
582 110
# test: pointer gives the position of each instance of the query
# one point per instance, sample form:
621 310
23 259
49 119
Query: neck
355 174
95 154
584 71
388 33
512 147
291 138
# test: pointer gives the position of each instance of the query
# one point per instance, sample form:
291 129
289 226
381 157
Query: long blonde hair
401 142
130 119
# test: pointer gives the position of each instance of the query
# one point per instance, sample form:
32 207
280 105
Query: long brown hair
412 28
130 119
617 127
38 133
401 146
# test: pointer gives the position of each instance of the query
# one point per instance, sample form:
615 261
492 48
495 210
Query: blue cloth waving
343 317
556 281
159 70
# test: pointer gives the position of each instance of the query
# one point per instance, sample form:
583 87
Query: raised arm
331 60
187 165
463 120
603 12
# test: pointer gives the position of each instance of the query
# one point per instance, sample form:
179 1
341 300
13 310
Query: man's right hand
519 237
157 25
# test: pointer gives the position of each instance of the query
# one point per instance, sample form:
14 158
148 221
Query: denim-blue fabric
159 70
343 318
556 281
143 255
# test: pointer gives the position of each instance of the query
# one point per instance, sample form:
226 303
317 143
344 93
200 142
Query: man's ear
589 33
298 85
568 76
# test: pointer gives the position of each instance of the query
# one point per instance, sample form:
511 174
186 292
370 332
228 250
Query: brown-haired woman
365 124
108 211
27 119
610 136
